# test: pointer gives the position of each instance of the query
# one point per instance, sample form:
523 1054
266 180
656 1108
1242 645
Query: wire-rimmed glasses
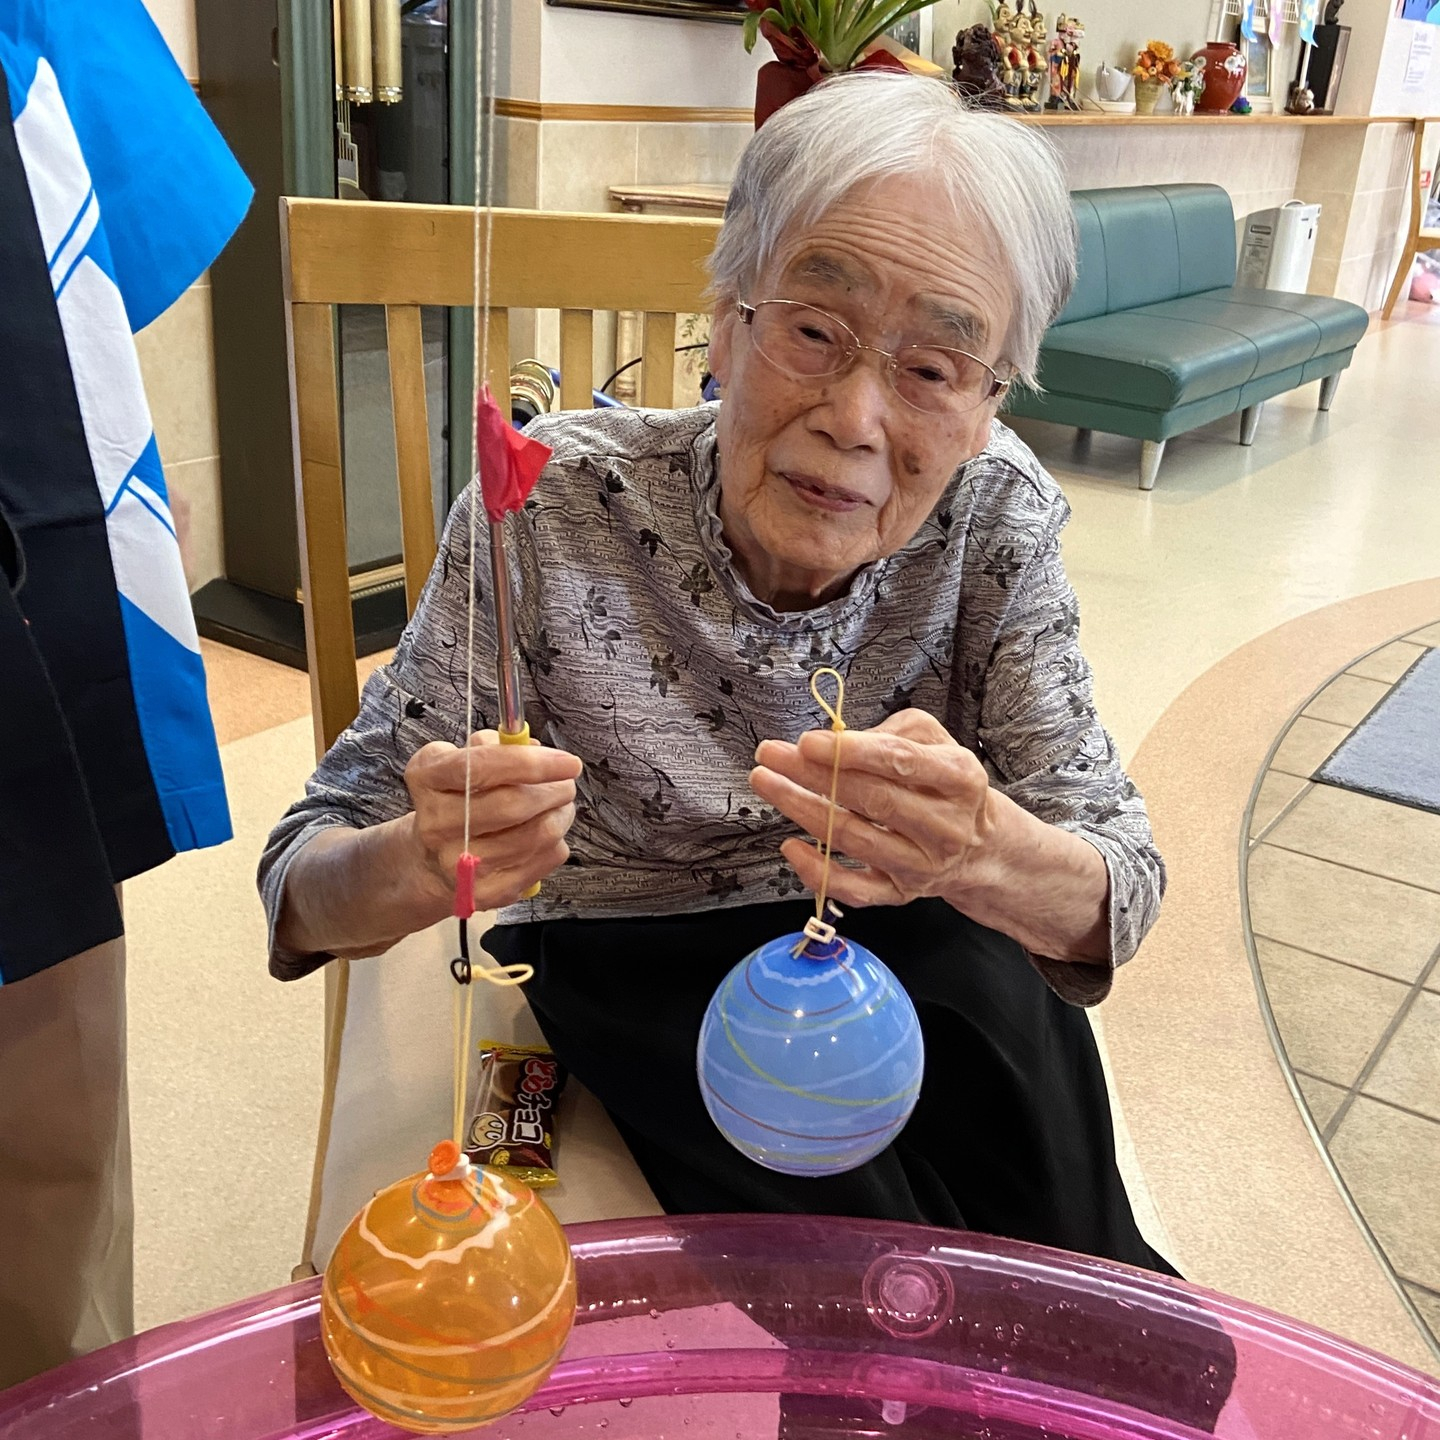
810 344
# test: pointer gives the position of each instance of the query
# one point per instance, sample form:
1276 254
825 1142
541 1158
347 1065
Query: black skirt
1011 1135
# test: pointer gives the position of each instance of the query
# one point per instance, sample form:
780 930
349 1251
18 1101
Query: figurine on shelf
1035 63
977 68
1302 99
1188 82
1020 39
1012 58
1065 64
1022 68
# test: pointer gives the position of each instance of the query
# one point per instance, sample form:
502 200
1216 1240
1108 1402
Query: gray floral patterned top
645 654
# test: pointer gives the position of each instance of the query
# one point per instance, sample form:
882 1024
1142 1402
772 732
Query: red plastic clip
465 868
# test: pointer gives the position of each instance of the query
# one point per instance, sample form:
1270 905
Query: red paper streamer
509 464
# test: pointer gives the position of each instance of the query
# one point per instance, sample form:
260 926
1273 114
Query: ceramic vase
1224 77
1147 93
1111 84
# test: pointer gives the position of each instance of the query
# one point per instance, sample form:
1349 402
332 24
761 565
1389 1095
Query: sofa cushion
1280 339
1091 295
1142 250
1138 360
1144 243
1341 324
1173 352
1205 228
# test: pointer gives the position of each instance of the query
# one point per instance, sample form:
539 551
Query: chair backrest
1140 244
345 252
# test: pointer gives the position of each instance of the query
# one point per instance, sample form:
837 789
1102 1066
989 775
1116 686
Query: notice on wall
1417 67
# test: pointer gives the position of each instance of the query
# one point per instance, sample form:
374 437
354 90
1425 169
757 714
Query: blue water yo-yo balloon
810 1054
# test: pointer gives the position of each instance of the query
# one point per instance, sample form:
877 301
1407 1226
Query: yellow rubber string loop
502 977
819 929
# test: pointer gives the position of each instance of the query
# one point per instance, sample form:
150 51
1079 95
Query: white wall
607 58
176 22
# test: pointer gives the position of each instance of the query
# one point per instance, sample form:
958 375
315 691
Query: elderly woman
887 267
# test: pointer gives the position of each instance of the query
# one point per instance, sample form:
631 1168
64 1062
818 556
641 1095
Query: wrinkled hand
914 807
522 806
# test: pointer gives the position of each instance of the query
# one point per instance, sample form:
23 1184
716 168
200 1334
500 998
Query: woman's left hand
913 806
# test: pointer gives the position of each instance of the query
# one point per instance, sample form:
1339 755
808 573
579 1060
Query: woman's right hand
522 805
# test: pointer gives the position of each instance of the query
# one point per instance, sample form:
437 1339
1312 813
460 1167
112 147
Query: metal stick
507 662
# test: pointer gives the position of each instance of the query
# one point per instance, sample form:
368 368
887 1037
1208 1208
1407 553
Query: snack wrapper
514 1126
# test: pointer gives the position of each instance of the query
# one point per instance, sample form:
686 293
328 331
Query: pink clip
465 868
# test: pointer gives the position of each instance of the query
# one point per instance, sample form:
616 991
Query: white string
480 358
480 349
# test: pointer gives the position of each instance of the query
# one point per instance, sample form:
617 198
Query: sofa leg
1083 434
1328 386
1150 454
1249 422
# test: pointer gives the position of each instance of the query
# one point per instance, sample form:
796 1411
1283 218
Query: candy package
514 1126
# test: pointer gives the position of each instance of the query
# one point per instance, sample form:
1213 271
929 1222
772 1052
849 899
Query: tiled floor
1344 906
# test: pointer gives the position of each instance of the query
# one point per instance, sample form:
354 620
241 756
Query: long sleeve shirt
646 655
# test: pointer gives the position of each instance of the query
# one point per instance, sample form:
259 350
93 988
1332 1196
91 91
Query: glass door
403 128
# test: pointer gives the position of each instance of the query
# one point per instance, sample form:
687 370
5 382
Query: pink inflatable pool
737 1326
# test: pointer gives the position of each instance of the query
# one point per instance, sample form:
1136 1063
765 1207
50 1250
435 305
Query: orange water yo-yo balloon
448 1298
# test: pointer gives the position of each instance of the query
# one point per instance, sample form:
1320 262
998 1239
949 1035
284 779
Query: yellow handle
520 737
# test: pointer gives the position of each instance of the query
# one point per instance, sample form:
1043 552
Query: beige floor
1232 544
1225 1148
1343 897
1235 541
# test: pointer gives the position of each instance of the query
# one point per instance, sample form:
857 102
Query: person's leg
621 1004
66 1210
1012 1134
1014 1117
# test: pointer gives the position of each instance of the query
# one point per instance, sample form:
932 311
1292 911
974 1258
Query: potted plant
1155 68
816 38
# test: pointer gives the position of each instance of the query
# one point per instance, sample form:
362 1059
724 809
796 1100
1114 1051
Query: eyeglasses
809 344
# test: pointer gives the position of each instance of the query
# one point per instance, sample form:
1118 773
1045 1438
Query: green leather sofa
1157 337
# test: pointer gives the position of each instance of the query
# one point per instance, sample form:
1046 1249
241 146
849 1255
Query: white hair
866 125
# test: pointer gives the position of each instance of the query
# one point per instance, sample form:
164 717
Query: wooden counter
696 115
1091 117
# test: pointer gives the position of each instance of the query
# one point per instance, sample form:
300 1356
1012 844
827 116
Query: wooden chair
1418 238
403 257
339 252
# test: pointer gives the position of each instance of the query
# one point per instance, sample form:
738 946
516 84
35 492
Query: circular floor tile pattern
1343 915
